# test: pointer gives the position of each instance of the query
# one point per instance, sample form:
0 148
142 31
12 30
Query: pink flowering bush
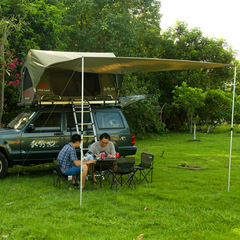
12 87
12 69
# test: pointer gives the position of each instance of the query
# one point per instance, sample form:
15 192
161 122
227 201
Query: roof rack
98 102
67 102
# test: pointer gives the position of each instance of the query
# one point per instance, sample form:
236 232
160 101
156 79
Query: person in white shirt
104 145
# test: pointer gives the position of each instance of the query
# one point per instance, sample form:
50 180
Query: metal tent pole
82 131
230 155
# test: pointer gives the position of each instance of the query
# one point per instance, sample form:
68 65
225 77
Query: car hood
7 130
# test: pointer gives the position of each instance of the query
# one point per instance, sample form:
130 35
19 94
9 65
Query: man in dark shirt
69 163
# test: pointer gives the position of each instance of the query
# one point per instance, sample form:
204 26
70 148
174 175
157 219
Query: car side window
71 123
47 122
109 120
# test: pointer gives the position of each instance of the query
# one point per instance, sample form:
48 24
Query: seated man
69 164
102 146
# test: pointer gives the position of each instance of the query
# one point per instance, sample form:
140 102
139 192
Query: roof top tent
56 76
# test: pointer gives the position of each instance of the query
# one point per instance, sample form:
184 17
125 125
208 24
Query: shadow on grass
33 170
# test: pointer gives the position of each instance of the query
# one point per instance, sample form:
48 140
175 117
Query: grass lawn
180 203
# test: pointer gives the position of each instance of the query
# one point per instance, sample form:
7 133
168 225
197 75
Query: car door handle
58 133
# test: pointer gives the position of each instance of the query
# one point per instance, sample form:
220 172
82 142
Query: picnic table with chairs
118 172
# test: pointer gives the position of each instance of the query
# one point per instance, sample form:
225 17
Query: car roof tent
53 75
56 76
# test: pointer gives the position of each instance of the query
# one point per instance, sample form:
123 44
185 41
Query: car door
46 138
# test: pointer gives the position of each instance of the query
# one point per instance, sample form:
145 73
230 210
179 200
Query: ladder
77 109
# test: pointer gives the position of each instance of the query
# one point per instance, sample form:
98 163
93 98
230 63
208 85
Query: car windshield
21 120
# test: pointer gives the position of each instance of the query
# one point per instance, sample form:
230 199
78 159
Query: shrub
12 88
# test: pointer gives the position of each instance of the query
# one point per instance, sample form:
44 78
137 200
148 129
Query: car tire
3 165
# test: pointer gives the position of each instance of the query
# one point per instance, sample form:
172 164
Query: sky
215 18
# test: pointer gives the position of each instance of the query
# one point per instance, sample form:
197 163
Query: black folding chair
145 167
58 177
124 173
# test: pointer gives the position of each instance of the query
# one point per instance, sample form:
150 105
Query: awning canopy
45 72
125 65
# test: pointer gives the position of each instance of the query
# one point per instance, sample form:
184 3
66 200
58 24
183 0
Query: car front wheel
3 165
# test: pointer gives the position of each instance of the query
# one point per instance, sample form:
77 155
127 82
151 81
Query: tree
217 107
7 26
127 28
42 27
189 99
144 117
181 43
192 45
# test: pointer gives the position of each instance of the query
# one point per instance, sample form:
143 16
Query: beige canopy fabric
46 73
125 65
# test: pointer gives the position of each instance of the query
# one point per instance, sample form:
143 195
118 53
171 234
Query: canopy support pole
230 155
82 132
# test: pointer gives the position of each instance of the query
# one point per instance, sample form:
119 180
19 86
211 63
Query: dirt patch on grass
188 167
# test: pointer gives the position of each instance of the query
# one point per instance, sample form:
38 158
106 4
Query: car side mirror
31 127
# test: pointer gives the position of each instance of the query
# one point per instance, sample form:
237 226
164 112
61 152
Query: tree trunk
208 128
161 112
190 119
195 130
2 76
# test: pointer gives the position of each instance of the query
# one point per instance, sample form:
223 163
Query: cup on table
102 156
117 155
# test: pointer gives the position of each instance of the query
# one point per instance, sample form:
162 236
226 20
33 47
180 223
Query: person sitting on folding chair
69 163
104 145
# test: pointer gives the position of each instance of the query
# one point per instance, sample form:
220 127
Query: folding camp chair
124 173
145 167
58 177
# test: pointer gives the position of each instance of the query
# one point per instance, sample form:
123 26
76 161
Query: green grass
179 204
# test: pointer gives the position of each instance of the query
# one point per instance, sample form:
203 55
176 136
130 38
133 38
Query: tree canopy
126 28
129 28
